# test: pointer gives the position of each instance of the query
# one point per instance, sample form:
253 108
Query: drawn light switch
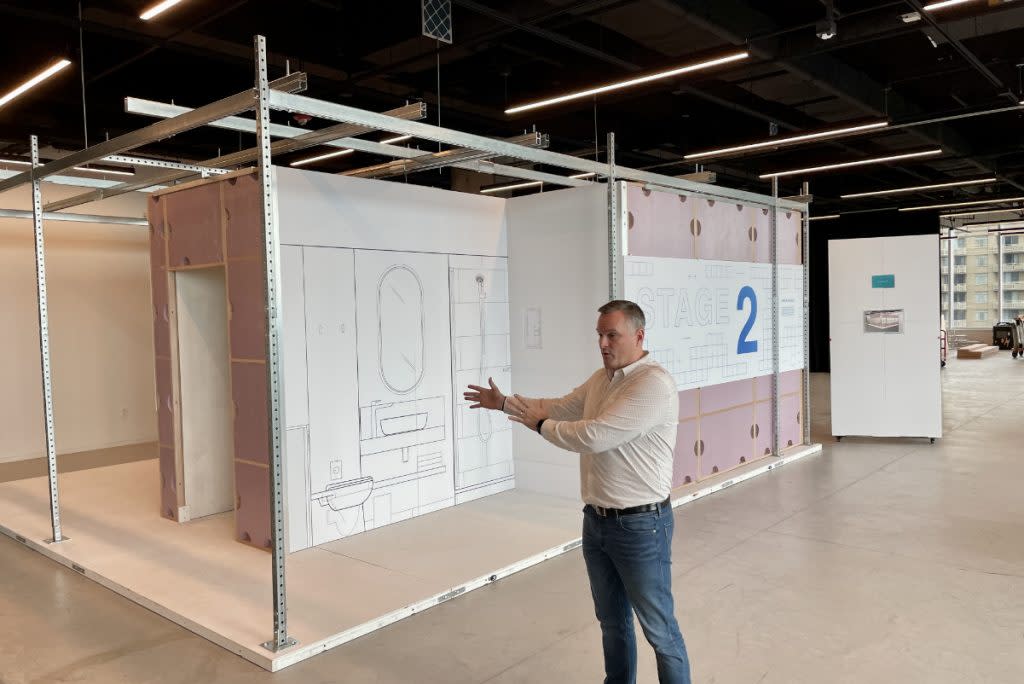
532 328
335 470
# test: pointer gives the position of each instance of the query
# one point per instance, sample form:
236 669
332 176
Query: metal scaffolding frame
281 95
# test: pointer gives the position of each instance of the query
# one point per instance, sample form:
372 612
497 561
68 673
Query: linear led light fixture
530 184
943 4
859 162
826 217
443 159
734 57
34 81
778 142
995 200
158 8
339 153
915 188
114 172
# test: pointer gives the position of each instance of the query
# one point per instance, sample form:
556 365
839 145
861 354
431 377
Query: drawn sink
402 424
343 495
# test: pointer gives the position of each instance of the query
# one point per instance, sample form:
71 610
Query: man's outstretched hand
485 397
525 411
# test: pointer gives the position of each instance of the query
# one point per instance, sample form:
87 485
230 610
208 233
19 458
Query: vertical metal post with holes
271 250
44 348
776 404
614 277
805 243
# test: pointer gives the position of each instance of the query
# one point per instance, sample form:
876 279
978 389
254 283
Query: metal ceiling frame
264 97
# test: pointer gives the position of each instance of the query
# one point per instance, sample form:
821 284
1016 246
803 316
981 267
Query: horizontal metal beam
344 113
75 218
162 164
442 159
160 130
490 168
300 139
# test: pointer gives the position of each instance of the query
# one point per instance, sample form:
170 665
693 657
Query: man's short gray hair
633 312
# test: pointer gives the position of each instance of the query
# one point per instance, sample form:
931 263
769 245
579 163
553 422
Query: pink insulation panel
684 461
158 278
726 395
725 230
247 309
762 234
252 504
728 440
242 202
251 429
194 226
659 224
791 382
763 427
168 484
790 247
790 421
763 384
689 406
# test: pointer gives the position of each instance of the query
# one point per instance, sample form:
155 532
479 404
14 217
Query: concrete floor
878 561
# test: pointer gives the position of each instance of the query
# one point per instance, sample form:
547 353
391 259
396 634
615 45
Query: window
1012 277
959 296
981 278
960 315
981 242
980 297
961 243
959 259
981 260
1011 240
960 278
981 315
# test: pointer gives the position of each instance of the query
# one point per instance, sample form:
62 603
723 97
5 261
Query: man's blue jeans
629 562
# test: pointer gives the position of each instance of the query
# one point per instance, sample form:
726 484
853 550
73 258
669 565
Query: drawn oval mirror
400 317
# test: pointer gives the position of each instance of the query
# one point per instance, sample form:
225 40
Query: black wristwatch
539 424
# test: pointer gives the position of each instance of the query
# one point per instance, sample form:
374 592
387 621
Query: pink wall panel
790 425
725 230
242 202
252 504
763 384
688 404
790 248
194 226
247 309
659 224
249 393
168 484
727 440
763 427
684 462
762 235
158 278
791 382
726 395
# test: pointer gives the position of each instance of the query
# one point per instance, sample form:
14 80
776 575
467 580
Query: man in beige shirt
622 422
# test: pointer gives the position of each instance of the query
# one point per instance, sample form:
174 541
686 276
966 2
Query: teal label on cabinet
883 281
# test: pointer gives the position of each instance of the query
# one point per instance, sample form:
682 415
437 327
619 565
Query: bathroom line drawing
480 350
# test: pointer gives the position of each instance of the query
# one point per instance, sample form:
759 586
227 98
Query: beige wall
101 340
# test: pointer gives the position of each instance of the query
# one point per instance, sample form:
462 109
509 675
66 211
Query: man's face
619 342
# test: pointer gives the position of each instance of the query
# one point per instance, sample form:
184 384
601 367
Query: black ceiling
959 60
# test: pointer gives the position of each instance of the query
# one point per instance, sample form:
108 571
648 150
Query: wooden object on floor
976 351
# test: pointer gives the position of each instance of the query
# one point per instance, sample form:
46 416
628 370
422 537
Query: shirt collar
627 370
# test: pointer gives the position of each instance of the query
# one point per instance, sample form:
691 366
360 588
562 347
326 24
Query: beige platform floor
879 561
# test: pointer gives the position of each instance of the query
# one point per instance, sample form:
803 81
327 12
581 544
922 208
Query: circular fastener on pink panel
696 448
764 211
711 202
631 220
699 227
682 198
739 207
646 191
714 469
755 234
789 214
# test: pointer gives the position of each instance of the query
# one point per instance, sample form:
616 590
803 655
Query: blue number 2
745 346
